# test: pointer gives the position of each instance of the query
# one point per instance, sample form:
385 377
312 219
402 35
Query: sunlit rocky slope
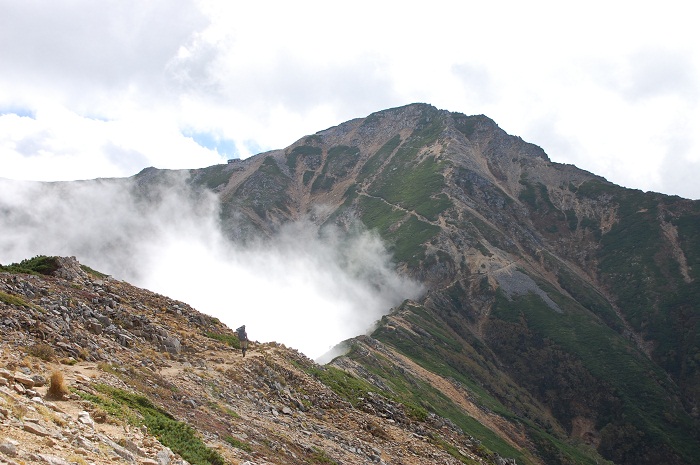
560 318
566 303
149 380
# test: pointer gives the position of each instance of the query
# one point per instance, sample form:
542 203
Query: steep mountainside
94 370
553 294
560 318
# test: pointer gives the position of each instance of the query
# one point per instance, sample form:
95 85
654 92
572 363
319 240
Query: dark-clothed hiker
243 337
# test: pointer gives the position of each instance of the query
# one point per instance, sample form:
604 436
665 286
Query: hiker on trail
243 337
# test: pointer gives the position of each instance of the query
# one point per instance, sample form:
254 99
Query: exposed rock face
505 240
69 269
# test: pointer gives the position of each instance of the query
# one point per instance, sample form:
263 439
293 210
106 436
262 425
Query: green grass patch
637 261
409 238
212 176
375 162
414 187
92 272
627 386
341 382
139 410
229 339
454 451
555 451
434 207
379 215
10 299
434 347
238 444
423 397
308 153
438 349
40 264
110 406
321 456
354 389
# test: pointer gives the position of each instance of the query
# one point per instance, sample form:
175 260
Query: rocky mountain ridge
128 355
564 285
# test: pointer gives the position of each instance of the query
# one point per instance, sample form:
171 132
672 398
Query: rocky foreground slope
96 371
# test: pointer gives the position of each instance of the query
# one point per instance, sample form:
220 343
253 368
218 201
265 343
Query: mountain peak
546 306
510 247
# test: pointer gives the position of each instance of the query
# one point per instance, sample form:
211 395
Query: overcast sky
105 88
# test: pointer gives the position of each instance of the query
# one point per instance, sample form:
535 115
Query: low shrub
41 264
42 351
140 410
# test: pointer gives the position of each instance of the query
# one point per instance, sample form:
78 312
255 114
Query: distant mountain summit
551 292
560 321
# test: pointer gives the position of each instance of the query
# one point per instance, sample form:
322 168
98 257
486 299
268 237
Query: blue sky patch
214 142
19 111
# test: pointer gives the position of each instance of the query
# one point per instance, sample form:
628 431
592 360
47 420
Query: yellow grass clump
57 386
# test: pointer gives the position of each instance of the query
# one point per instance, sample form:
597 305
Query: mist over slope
306 286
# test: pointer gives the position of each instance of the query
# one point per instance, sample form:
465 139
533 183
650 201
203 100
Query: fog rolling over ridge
307 287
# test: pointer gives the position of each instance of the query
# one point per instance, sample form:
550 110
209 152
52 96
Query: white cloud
58 144
612 80
307 287
84 53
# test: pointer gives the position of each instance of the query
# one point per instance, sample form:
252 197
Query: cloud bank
106 89
308 288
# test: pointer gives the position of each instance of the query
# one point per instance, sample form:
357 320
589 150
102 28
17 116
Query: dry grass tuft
57 386
43 351
99 415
